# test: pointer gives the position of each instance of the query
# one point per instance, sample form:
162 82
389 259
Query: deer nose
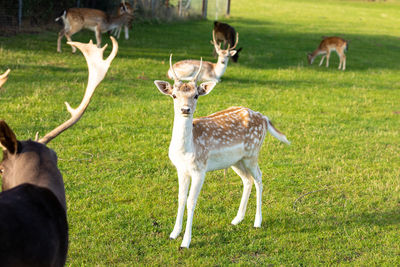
185 110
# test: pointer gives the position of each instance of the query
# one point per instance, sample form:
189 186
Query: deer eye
196 96
173 96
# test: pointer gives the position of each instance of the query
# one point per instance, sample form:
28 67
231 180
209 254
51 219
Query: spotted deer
187 69
124 8
225 33
33 210
76 19
228 138
327 45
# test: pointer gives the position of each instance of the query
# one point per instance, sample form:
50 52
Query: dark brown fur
226 33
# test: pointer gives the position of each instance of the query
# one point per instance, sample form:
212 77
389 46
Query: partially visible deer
4 77
76 19
124 8
187 69
33 211
226 33
228 138
327 45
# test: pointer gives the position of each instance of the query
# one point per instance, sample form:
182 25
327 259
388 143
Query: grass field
344 127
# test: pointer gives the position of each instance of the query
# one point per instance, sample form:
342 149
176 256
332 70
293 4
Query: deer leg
197 183
240 169
184 181
68 36
126 31
255 172
344 62
98 35
328 54
322 60
60 36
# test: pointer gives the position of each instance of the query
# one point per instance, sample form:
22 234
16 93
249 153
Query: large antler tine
214 41
172 68
97 70
198 72
237 40
4 77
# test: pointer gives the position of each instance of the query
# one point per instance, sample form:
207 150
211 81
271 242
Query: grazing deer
226 33
76 19
187 69
228 138
33 212
327 45
4 77
124 8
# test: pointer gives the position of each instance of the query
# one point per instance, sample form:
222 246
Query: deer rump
33 227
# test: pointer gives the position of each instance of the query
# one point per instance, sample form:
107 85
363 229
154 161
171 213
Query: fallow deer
228 138
226 33
33 211
4 77
76 19
327 45
187 69
124 8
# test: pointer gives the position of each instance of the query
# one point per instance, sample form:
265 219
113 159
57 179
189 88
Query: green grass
344 126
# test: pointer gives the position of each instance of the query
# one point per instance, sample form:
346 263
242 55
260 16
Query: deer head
185 95
33 162
225 54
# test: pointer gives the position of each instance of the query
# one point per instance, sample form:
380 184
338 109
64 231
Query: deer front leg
247 185
197 183
328 54
322 60
60 36
126 31
344 62
98 35
184 182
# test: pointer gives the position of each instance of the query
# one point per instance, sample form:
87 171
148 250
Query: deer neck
115 22
182 135
220 66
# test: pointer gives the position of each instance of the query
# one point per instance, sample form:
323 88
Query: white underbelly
224 158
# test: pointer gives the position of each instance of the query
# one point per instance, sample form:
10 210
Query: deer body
76 19
327 45
33 210
229 138
124 8
187 69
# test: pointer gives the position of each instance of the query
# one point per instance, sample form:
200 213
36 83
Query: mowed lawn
122 189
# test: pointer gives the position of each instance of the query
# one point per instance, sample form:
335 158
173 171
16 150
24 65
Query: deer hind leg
184 181
255 171
242 171
126 31
195 188
344 62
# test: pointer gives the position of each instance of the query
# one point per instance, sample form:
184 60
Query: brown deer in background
76 19
124 8
327 45
226 33
33 210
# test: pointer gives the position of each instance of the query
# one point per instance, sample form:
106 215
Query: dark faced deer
33 217
228 138
226 33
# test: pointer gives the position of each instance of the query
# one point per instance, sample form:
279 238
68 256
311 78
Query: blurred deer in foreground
228 138
33 210
327 45
226 33
187 69
76 19
4 77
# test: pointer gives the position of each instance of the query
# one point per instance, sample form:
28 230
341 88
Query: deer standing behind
33 210
327 45
228 138
124 8
187 69
76 19
226 33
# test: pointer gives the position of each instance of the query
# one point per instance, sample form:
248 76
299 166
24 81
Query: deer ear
206 87
232 52
7 138
164 87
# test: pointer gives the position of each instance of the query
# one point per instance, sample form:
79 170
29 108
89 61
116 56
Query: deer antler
172 68
97 71
237 40
4 77
198 72
214 42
